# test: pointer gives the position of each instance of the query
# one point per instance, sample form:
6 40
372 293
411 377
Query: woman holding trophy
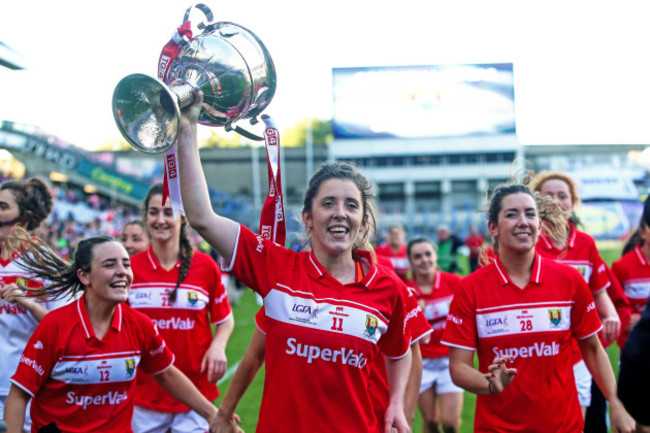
329 311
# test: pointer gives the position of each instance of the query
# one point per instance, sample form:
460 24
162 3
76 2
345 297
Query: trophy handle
249 135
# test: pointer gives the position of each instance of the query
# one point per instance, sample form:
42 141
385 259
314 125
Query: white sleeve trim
166 368
219 322
589 335
234 253
21 387
473 349
400 356
429 332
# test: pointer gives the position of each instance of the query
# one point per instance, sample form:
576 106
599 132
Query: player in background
134 237
521 314
80 364
579 250
395 250
328 311
25 204
633 272
180 289
434 290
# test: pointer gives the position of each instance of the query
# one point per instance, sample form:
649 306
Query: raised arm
218 231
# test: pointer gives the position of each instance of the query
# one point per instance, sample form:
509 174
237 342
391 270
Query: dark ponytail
186 251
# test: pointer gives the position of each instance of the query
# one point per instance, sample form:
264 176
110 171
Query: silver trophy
226 61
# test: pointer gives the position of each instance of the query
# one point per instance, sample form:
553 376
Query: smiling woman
329 312
80 364
180 289
521 314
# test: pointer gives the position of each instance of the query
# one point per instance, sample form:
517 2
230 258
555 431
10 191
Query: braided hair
186 251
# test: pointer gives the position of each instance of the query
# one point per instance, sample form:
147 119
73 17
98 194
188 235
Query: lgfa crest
555 316
130 366
192 297
371 324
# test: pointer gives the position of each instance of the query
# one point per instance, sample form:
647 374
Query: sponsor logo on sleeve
33 364
38 345
453 319
260 244
411 314
158 350
591 306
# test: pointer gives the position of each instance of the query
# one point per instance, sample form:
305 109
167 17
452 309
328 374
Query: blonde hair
544 176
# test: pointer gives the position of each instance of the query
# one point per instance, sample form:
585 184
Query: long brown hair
186 251
59 276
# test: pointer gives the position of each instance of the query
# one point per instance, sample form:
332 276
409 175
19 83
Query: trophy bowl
227 62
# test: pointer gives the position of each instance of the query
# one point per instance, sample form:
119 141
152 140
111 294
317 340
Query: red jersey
415 325
436 308
399 259
319 331
633 272
186 325
82 383
536 326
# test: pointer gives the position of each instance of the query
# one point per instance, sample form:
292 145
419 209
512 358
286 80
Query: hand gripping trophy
227 62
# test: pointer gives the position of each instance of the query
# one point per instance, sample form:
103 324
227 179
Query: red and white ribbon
180 39
272 219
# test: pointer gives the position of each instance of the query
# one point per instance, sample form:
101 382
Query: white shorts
583 383
28 419
435 371
151 421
